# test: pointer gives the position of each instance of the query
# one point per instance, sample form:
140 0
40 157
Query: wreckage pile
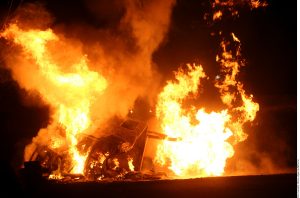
117 156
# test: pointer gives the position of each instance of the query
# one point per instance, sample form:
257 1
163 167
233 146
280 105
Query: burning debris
119 155
111 156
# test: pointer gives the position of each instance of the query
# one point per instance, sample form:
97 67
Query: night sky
268 37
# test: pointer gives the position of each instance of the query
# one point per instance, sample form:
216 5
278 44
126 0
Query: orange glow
70 93
203 144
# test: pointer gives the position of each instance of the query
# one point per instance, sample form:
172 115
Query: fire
116 164
231 7
217 15
70 91
130 164
203 146
197 142
230 65
257 4
202 150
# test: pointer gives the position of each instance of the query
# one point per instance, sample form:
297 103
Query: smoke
121 53
145 24
251 158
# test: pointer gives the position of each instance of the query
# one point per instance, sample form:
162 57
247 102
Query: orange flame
217 15
203 146
70 93
230 88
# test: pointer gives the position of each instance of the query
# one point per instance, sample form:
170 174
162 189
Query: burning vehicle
104 115
110 156
99 83
63 148
119 154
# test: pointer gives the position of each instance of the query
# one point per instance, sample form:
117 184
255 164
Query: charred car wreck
110 156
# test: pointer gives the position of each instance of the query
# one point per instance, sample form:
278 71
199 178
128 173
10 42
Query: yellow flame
130 164
203 145
236 39
70 93
202 149
56 175
116 163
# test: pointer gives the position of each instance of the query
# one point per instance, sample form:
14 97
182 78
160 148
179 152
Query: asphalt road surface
284 185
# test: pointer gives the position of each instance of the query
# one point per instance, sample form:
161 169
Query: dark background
268 37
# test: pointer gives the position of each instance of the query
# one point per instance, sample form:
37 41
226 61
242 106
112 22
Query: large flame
53 63
70 91
203 145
